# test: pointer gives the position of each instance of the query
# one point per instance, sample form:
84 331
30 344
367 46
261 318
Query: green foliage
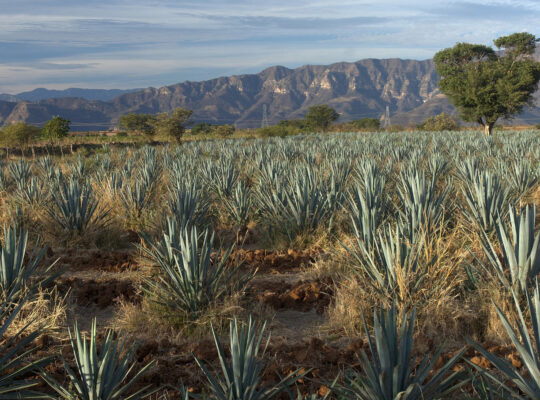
278 130
321 116
485 85
103 371
202 128
527 383
55 129
520 251
20 134
173 124
75 208
18 267
441 122
224 130
138 123
241 376
366 124
191 279
392 372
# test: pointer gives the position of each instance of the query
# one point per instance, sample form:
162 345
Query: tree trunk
33 153
488 129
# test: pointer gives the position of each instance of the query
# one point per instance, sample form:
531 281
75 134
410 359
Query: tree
203 128
367 124
321 116
173 124
224 130
55 129
441 122
138 123
20 134
485 85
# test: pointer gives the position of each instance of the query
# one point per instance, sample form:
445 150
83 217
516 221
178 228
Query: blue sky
139 43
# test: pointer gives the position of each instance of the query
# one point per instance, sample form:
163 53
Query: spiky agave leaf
240 378
102 371
526 346
18 267
75 207
520 248
392 372
194 275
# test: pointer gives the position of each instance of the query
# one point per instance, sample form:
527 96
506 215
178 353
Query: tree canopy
484 84
20 134
141 123
173 124
55 129
321 116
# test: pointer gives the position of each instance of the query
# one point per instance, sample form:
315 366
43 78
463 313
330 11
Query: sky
139 43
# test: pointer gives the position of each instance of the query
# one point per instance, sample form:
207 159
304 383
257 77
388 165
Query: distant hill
356 90
87 94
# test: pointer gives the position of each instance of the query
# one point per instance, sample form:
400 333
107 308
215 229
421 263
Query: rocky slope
356 90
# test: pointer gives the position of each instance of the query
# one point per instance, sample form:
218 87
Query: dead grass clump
46 312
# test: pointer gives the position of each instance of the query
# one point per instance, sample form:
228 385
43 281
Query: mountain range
356 90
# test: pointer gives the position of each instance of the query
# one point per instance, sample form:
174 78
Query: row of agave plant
107 369
296 190
291 187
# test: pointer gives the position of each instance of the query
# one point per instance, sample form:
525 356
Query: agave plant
486 199
241 376
14 353
391 372
137 197
35 192
366 204
527 347
187 206
239 205
102 371
393 266
520 249
18 268
20 172
423 208
75 208
191 279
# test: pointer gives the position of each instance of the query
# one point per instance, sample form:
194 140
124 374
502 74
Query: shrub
224 130
441 122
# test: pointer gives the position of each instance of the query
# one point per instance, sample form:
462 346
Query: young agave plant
520 248
239 205
528 384
486 199
14 353
241 376
17 268
366 204
102 371
75 207
187 206
20 172
391 372
137 197
191 279
423 208
523 176
35 192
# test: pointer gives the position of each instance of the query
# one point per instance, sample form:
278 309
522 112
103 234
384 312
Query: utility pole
387 123
264 122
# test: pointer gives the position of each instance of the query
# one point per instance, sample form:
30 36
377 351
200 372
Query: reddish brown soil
301 296
95 260
101 292
273 261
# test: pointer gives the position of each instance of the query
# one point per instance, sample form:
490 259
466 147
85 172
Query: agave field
352 265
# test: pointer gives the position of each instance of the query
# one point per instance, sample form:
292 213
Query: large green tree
55 129
173 124
138 123
321 116
484 84
20 134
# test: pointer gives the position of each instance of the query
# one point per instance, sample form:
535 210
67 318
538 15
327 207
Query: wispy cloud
121 43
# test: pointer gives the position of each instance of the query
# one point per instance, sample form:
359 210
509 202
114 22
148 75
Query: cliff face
356 90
